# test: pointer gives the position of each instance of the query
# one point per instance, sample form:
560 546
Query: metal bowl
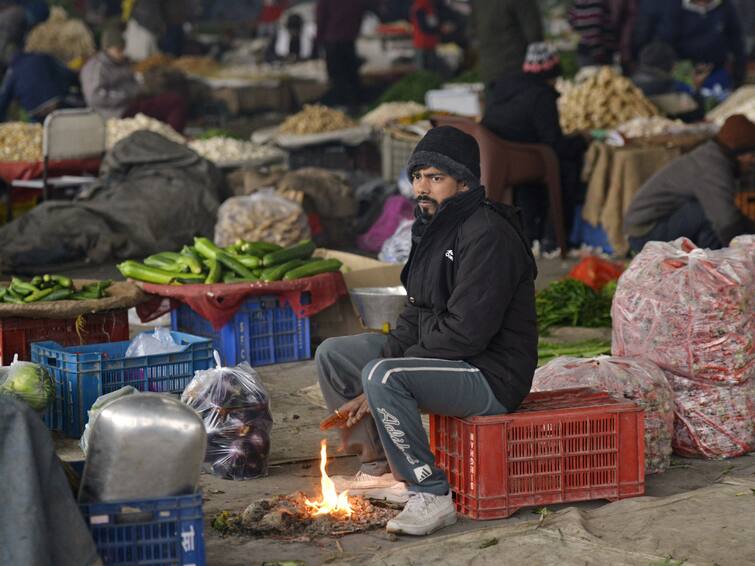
378 307
142 446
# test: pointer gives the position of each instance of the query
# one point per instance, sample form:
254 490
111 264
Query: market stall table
615 174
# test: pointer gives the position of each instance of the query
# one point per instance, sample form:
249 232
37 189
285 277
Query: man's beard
424 212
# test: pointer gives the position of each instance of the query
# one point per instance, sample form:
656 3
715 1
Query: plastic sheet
395 209
713 421
235 408
689 310
396 249
159 342
637 380
264 216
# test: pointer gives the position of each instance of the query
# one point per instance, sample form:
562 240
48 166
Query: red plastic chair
505 165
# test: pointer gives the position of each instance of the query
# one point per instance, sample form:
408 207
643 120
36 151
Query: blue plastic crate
262 332
83 373
157 532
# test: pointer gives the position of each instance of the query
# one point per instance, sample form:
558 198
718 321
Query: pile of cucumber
45 288
206 263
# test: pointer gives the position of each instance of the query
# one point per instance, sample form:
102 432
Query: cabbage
29 382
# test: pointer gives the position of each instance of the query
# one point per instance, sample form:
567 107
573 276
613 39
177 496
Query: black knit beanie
452 151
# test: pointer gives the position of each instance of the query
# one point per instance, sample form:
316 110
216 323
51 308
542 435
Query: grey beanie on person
450 150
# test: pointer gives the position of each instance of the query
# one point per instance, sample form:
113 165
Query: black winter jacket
524 109
471 294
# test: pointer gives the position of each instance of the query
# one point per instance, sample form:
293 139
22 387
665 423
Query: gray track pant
397 390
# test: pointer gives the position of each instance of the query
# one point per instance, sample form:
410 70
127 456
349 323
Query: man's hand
355 410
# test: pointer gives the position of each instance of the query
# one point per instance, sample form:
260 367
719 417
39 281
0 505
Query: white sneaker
424 513
373 487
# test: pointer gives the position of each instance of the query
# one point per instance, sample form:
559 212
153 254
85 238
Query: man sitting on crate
465 345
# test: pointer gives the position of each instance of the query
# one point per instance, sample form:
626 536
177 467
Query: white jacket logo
449 254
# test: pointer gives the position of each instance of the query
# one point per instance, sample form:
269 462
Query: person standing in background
591 19
707 32
338 26
426 25
504 29
622 21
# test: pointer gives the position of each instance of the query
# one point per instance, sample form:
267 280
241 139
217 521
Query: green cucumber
63 281
313 268
58 294
302 250
206 248
160 261
21 287
267 247
277 272
249 261
134 270
227 260
38 296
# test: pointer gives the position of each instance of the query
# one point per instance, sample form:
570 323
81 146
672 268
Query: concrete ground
295 441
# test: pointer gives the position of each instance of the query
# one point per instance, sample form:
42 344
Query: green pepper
160 261
215 271
206 248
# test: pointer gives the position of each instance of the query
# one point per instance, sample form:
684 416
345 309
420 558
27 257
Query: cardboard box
341 319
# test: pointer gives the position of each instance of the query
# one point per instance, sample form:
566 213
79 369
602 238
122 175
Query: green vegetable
277 272
314 268
206 248
546 351
38 295
36 280
215 270
227 260
58 294
249 261
160 261
21 287
302 250
572 303
30 383
412 87
91 292
62 281
134 270
233 278
13 299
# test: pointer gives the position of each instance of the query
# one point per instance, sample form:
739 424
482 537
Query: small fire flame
332 502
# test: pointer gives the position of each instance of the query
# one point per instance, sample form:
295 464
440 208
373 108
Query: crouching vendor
694 196
465 344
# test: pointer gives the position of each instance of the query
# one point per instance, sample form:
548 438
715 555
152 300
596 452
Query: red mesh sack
637 380
689 310
713 420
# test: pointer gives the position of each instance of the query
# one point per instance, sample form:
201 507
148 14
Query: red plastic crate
560 446
16 334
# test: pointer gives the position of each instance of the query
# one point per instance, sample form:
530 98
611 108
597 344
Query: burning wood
295 516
